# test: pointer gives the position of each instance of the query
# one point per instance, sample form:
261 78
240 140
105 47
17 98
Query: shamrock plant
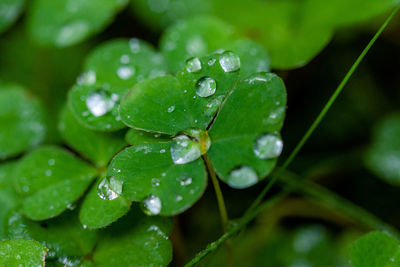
206 110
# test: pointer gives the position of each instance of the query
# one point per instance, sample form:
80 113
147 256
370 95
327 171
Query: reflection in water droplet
109 188
184 150
171 109
125 72
193 64
185 181
268 146
99 102
242 177
229 61
152 205
205 87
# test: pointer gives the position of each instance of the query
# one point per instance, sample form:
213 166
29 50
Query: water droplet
178 198
48 172
155 182
134 45
242 177
51 162
162 151
125 59
205 87
87 78
171 109
213 105
99 102
184 150
185 181
229 61
201 137
211 61
268 146
125 72
72 32
109 188
193 64
152 205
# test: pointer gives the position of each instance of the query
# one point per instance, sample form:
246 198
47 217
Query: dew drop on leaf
206 87
99 102
184 150
193 64
242 177
171 109
125 72
229 61
268 146
109 188
152 205
185 181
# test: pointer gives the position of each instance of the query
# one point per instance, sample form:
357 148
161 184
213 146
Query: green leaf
97 146
383 156
97 212
22 252
255 108
22 121
136 240
63 236
150 176
110 70
193 38
169 105
136 137
8 199
51 179
375 249
63 23
9 12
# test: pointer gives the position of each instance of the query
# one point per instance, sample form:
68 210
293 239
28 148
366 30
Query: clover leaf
374 250
51 179
200 36
135 240
383 156
242 140
22 252
110 70
9 12
22 121
63 236
64 23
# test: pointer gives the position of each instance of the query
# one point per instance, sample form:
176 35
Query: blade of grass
323 112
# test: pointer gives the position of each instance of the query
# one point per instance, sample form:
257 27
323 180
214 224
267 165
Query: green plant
93 176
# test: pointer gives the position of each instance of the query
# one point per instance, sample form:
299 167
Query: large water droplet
201 137
193 64
205 87
242 177
268 146
152 205
229 61
184 150
99 102
109 188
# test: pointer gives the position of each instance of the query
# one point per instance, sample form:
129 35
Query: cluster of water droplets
109 188
99 102
190 146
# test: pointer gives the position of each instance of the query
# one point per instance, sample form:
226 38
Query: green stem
323 112
221 205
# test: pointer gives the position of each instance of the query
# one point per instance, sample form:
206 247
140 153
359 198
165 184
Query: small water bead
193 64
171 109
211 61
184 150
268 146
206 87
242 177
134 45
51 162
125 72
213 105
109 188
185 181
152 205
87 78
125 59
229 61
178 198
99 102
155 182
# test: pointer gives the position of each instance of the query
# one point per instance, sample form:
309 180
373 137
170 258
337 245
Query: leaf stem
221 205
323 112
